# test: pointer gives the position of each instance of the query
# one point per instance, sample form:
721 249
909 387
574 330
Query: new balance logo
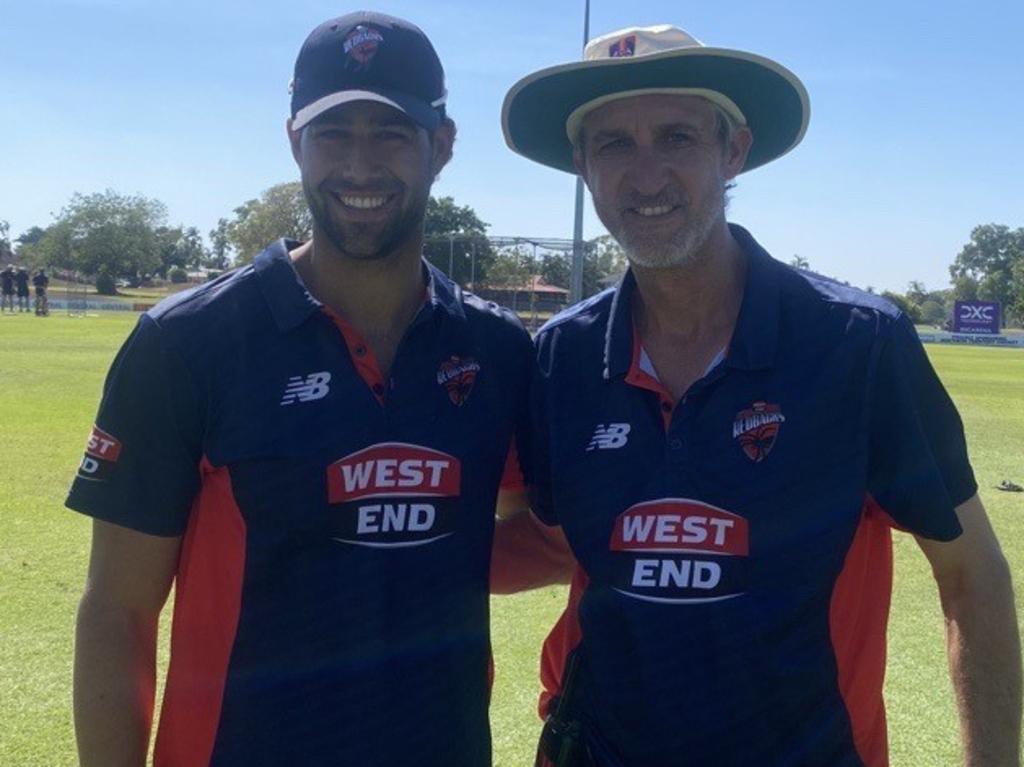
299 389
609 437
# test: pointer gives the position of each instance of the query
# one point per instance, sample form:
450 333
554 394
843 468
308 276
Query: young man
41 282
310 449
7 288
21 278
727 443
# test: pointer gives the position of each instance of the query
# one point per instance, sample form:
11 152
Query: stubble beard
365 241
684 246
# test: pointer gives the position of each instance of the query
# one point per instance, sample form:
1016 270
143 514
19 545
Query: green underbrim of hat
772 99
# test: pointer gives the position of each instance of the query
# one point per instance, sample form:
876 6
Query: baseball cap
365 56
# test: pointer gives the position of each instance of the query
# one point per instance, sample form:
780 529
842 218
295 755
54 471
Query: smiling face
366 173
657 167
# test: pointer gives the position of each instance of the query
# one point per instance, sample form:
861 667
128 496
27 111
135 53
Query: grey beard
683 247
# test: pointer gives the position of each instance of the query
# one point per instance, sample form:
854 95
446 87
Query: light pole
576 283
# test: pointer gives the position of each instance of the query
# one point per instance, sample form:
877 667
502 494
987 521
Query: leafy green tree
180 249
280 211
220 246
1017 275
5 241
932 312
916 292
908 308
106 285
606 260
455 235
556 269
989 260
603 261
513 269
105 231
799 262
965 288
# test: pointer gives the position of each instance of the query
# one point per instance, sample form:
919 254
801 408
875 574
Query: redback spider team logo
457 375
361 45
756 429
623 47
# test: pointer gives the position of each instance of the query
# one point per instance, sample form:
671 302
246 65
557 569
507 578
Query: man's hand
982 637
527 554
130 575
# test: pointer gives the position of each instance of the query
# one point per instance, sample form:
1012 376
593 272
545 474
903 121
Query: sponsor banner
394 495
946 338
976 317
679 551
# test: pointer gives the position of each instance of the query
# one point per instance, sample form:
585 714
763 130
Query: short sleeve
141 463
918 470
537 467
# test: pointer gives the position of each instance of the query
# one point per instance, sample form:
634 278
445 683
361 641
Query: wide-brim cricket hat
542 112
367 56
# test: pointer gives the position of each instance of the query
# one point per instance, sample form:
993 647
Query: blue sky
915 133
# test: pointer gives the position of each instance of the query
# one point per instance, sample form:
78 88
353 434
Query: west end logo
679 551
102 451
362 45
458 375
394 495
756 429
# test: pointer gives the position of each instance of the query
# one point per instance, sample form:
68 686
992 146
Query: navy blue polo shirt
734 547
332 595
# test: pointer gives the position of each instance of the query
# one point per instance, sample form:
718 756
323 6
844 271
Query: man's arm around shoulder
527 554
130 576
983 641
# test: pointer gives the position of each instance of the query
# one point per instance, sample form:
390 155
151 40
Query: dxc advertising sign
980 317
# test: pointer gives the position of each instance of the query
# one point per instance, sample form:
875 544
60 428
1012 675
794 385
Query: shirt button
675 443
666 406
360 351
378 389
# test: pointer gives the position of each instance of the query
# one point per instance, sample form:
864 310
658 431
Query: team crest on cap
457 375
756 429
362 45
624 46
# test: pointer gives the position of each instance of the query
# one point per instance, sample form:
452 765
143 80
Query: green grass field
51 372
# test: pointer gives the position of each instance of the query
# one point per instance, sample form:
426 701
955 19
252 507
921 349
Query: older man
728 442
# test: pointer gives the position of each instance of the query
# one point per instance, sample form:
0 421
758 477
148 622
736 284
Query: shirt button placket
674 439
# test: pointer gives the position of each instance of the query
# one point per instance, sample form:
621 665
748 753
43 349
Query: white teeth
660 210
363 202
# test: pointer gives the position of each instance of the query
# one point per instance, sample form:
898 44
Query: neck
695 301
379 297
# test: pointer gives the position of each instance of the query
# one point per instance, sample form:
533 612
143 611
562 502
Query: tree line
989 267
111 239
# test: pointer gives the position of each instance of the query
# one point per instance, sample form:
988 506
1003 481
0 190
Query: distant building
533 295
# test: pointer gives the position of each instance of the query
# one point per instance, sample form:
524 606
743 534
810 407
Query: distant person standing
41 282
21 283
7 288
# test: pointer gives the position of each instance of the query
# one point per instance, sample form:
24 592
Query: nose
648 173
357 161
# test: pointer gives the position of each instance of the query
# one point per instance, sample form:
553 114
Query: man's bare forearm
985 665
115 659
528 554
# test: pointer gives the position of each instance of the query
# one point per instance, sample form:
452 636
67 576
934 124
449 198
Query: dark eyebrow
394 119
